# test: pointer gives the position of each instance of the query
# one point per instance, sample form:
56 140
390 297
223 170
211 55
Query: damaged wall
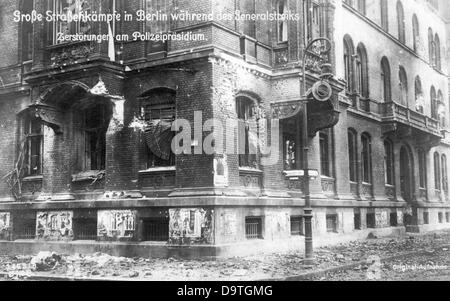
54 226
116 224
5 225
191 226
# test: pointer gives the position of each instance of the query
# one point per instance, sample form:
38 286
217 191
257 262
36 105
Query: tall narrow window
403 86
366 157
348 63
434 104
290 150
431 47
437 49
385 80
248 135
96 122
444 173
441 110
325 155
162 25
384 15
362 72
389 162
422 169
282 23
249 7
34 143
159 111
437 172
362 6
353 156
416 33
418 93
27 32
401 22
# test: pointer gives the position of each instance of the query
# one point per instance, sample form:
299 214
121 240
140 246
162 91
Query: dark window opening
437 172
384 15
282 24
386 80
422 169
85 228
33 133
447 217
25 227
247 132
441 217
389 162
27 32
297 226
325 155
253 228
357 221
371 221
353 156
155 229
366 159
426 218
393 219
332 223
401 22
290 152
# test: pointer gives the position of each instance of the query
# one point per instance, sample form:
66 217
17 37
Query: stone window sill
33 178
158 170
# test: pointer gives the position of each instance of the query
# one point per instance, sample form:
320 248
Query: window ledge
87 176
158 169
250 170
33 178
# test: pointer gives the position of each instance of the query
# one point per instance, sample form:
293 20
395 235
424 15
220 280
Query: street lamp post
317 49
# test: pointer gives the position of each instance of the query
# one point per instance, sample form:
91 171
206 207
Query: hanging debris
15 177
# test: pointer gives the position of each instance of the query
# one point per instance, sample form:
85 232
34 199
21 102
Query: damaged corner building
86 127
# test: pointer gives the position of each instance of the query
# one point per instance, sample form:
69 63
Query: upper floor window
434 104
441 109
158 6
66 7
366 158
325 154
418 95
27 32
431 47
401 22
353 155
282 24
403 86
249 27
389 162
348 63
385 80
248 133
437 172
362 6
416 33
33 134
158 110
362 71
437 49
422 169
384 15
444 173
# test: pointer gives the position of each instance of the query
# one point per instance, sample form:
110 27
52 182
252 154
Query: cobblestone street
430 261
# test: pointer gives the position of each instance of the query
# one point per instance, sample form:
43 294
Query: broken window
63 26
248 133
159 112
282 23
96 123
33 133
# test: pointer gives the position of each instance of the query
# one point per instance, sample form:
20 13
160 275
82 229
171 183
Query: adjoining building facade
86 126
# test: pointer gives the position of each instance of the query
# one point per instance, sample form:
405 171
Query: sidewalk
278 266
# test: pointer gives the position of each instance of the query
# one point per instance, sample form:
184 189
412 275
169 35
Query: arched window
416 33
389 162
248 132
422 169
437 172
353 155
441 109
362 71
384 15
158 108
434 104
385 80
362 6
366 158
444 173
401 22
348 63
418 93
431 46
282 23
437 49
403 86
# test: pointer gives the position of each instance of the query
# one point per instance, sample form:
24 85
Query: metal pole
309 255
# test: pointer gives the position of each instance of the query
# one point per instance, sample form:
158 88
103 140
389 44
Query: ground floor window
25 227
393 219
332 221
426 218
253 227
297 226
85 228
155 229
357 221
441 217
371 221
